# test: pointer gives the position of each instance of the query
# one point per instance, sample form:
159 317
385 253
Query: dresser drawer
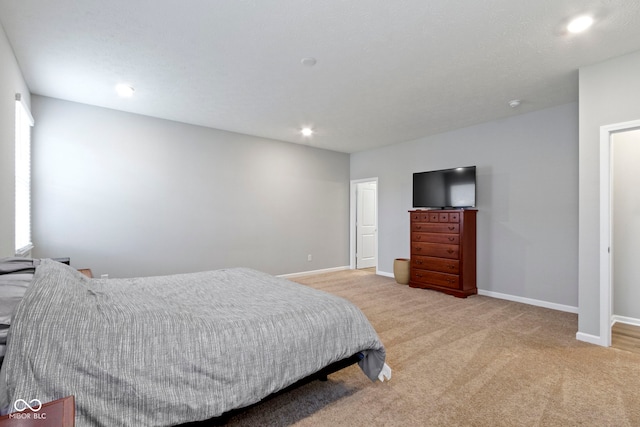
435 250
445 217
435 216
452 239
442 265
420 217
434 278
431 227
454 217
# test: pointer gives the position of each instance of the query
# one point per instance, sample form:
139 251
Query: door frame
352 220
606 208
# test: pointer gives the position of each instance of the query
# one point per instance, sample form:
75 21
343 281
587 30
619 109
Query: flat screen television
447 188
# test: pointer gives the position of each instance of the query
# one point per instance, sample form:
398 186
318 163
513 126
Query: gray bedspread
161 351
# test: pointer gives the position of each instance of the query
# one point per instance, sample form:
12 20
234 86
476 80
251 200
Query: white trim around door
605 228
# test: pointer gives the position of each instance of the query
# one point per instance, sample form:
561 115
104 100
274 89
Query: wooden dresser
443 251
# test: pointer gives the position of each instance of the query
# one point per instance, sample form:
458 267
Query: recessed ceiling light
306 131
124 90
580 24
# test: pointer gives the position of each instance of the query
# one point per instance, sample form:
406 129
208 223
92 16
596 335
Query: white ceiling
386 72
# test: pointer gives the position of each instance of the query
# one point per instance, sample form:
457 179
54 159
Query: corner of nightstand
86 271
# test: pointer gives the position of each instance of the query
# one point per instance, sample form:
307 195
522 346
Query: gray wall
130 195
608 94
527 194
11 82
626 224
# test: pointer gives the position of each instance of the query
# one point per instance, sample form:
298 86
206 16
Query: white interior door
366 225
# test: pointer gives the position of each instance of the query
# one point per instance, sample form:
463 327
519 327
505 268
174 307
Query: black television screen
447 188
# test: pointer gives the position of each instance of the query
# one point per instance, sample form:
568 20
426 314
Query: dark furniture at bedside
58 413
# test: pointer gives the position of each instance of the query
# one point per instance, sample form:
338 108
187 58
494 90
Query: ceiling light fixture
580 24
514 103
306 131
125 90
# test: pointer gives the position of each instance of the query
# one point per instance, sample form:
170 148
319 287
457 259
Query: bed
175 349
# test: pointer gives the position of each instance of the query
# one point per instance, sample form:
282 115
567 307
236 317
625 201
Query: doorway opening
607 250
364 224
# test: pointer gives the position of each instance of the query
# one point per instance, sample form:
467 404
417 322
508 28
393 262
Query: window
24 121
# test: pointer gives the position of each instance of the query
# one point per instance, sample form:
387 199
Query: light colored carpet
478 361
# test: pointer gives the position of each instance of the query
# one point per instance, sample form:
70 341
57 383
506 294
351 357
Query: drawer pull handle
450 251
451 267
418 227
451 239
451 227
450 280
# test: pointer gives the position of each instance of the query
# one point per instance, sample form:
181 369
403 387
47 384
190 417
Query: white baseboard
307 273
626 320
594 339
530 301
591 339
